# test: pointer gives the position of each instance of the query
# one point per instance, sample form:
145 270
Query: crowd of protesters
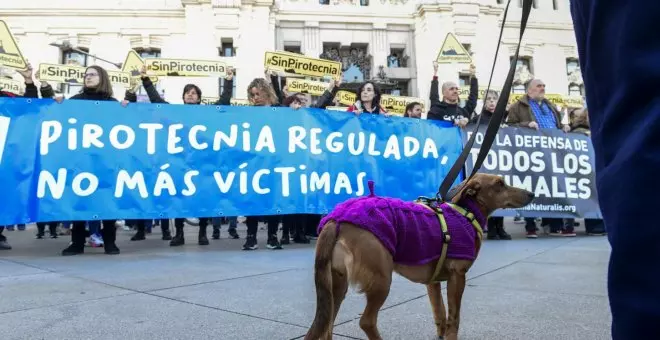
530 111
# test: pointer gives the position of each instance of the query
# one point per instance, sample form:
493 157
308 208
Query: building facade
392 41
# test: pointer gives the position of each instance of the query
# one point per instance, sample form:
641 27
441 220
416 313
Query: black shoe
40 236
4 245
53 235
73 250
203 240
300 238
178 240
111 248
233 234
250 243
167 235
216 234
139 236
503 235
273 243
285 239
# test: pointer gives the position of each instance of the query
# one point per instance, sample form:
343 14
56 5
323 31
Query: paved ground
549 288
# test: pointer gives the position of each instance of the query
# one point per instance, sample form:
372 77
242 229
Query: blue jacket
619 51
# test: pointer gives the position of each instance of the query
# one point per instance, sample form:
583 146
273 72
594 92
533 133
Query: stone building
392 41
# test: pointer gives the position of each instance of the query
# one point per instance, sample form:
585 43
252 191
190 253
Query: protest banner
13 86
184 67
298 64
315 88
557 166
76 74
87 160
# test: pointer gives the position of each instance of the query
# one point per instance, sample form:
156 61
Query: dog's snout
530 195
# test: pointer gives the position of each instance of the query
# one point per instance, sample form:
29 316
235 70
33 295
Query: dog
364 240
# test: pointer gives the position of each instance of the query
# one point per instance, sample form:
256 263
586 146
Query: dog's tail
323 280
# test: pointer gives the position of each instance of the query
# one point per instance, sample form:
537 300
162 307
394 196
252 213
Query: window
395 59
364 2
226 48
149 53
292 49
401 89
555 5
324 2
535 4
524 73
575 85
70 57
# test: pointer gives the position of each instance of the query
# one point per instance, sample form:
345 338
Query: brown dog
394 236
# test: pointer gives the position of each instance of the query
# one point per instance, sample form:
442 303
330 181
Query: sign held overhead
452 51
10 54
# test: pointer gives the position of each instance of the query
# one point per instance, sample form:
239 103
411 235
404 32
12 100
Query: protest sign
298 64
185 67
234 102
10 53
13 86
315 88
133 64
87 160
391 104
76 74
557 166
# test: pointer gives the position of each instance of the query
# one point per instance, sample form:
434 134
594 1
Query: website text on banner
82 160
557 166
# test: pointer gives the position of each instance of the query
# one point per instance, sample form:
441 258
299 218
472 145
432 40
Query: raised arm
225 97
434 96
471 102
328 95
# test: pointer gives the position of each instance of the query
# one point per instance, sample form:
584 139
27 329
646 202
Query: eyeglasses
91 75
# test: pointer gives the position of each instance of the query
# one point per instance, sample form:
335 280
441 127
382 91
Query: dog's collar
469 208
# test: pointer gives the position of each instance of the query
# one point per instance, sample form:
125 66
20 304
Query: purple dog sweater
409 231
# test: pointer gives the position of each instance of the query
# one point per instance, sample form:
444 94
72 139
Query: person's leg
302 220
4 245
202 240
109 233
41 230
21 227
141 230
52 229
594 227
165 229
178 239
289 223
77 245
148 225
252 223
530 227
233 224
217 224
626 145
273 223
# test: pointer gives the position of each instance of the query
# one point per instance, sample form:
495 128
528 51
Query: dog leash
497 117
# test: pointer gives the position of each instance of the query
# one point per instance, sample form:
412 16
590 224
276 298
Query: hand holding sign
27 73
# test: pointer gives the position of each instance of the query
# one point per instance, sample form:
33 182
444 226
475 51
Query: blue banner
86 160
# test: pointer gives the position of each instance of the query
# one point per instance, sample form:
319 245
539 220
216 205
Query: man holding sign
448 109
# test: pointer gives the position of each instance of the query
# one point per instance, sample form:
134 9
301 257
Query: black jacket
441 110
154 97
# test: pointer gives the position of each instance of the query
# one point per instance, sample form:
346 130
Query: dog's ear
470 188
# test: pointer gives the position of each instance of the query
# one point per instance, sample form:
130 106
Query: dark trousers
252 222
108 232
2 237
52 228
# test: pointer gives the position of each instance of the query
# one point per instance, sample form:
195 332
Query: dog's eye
501 183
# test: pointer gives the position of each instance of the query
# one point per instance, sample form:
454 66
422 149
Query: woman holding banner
30 92
192 95
368 100
97 86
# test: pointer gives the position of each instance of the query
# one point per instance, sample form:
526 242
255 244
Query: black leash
497 117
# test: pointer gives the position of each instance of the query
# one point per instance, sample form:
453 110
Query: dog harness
412 233
436 206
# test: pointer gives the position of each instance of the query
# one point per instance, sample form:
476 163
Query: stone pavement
548 288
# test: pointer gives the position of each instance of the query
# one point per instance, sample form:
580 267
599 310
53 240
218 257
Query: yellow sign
556 99
10 54
453 52
464 92
397 104
293 63
13 86
391 104
133 65
345 97
315 88
233 102
573 102
337 108
185 68
76 74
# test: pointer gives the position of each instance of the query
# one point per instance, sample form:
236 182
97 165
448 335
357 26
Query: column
379 47
257 35
311 44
